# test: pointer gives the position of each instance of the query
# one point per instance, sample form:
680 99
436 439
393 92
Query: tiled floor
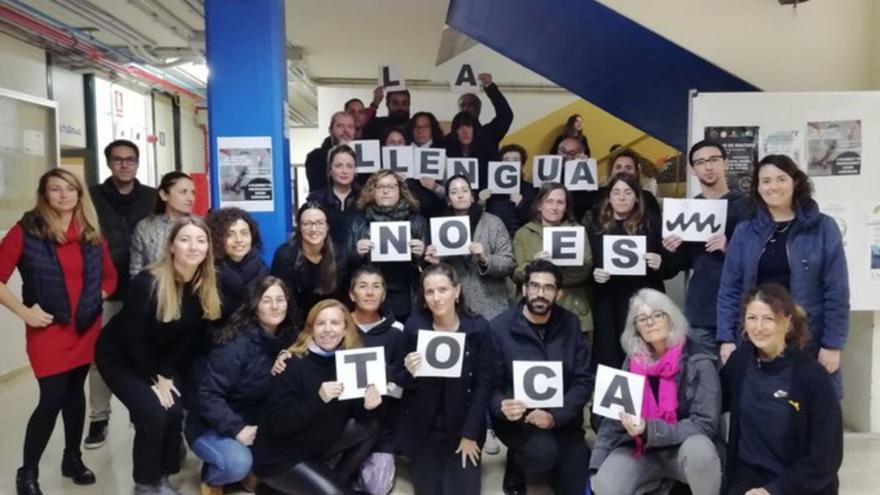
860 474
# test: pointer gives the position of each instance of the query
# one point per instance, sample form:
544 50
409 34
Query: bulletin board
833 136
28 148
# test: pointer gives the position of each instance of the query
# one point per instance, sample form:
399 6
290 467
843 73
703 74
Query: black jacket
514 340
389 336
339 213
815 434
235 280
494 131
303 280
588 202
464 399
118 214
316 167
233 386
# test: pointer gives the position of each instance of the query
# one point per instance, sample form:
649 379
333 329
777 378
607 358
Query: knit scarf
665 406
397 213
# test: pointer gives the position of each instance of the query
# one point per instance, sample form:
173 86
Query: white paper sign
694 219
442 353
368 157
33 142
565 245
538 384
546 168
580 175
618 391
430 163
451 235
357 368
464 79
399 159
469 167
391 78
624 254
390 241
504 177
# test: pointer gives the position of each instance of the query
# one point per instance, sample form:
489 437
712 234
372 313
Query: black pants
560 454
157 434
58 393
436 470
316 477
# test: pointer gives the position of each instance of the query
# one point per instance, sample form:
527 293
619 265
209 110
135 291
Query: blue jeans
226 459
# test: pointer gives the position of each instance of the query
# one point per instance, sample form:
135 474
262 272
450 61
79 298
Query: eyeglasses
712 159
317 225
387 187
128 160
535 287
653 317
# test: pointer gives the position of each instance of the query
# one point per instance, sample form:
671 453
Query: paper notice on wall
33 142
834 148
873 238
741 145
245 170
787 142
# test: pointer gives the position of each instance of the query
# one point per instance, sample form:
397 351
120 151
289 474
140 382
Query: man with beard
398 103
542 441
623 161
341 132
708 160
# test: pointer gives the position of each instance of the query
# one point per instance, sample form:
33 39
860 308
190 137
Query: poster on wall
741 145
787 142
874 243
834 147
245 170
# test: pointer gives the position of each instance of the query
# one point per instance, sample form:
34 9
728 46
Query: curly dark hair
436 130
782 304
246 315
219 222
803 188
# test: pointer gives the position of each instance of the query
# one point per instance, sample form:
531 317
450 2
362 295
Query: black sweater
814 435
297 425
304 280
135 339
389 336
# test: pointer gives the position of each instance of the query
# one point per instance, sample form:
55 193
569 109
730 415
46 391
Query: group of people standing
201 339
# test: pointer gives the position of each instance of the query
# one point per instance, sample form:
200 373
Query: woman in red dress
66 273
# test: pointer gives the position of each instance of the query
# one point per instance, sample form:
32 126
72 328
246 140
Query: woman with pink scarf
681 405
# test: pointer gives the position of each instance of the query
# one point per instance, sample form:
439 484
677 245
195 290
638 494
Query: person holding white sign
541 441
527 191
443 420
495 130
425 190
673 438
386 198
341 132
551 209
340 196
621 213
483 272
303 423
398 105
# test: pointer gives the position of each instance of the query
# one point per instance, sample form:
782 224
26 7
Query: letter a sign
451 235
442 353
694 219
618 391
538 383
358 368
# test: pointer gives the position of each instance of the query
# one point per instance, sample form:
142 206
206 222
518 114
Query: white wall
23 67
192 139
163 128
826 46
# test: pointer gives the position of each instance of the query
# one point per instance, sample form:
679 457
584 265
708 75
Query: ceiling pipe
161 15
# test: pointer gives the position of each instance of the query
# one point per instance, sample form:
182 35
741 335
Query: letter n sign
442 353
451 235
390 241
538 383
623 254
565 245
618 391
358 368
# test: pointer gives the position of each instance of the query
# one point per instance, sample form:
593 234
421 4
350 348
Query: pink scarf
664 408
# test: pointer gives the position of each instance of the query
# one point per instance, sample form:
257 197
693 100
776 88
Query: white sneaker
491 446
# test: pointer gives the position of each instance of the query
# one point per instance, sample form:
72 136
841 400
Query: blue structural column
247 90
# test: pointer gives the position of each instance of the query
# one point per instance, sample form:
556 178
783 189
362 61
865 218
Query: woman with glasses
621 212
552 208
177 195
673 440
386 198
427 191
339 198
310 263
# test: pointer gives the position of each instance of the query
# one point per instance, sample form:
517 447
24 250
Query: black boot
72 467
26 482
514 482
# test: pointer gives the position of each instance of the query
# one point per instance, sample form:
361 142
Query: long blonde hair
44 222
169 289
350 340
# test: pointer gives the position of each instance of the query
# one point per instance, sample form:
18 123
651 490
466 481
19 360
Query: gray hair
679 328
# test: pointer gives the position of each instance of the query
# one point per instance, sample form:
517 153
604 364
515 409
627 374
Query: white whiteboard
853 200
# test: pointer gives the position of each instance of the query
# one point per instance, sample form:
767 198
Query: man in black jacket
341 132
492 133
120 202
542 441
